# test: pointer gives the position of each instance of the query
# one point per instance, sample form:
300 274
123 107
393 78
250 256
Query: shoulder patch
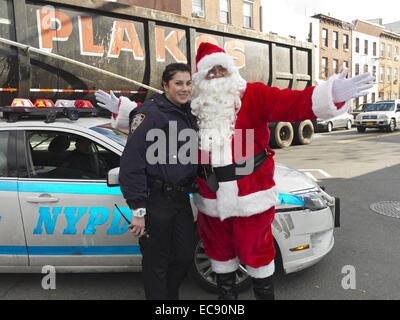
136 121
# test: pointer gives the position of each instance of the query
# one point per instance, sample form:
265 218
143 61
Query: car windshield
118 136
364 107
388 106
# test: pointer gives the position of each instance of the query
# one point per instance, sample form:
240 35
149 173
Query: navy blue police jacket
162 143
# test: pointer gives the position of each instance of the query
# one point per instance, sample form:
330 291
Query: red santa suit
235 221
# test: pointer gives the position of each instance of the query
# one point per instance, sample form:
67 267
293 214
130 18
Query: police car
58 191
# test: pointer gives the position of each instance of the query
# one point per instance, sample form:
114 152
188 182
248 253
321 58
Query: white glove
107 101
345 89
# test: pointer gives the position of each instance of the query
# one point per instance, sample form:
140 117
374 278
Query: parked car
344 120
383 115
53 214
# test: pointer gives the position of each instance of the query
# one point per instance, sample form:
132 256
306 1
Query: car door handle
42 198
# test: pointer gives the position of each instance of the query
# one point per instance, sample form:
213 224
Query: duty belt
167 187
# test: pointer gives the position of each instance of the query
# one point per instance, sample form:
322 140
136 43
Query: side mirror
113 177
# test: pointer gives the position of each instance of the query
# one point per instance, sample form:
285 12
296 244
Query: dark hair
173 68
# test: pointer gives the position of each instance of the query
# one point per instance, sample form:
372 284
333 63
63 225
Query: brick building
335 46
238 13
389 66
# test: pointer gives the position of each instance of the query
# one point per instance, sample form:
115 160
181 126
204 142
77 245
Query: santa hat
210 55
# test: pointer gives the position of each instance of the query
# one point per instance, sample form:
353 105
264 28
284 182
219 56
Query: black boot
263 288
226 283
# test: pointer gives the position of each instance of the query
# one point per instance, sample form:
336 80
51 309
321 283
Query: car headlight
359 117
313 201
383 116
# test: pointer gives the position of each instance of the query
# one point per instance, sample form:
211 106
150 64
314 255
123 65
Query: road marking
369 138
309 174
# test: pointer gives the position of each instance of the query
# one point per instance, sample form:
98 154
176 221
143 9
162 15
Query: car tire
201 273
361 129
281 135
349 124
392 126
304 132
200 270
329 127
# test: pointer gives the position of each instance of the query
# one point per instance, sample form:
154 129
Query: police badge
136 121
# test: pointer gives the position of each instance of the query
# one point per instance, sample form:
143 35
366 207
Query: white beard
216 103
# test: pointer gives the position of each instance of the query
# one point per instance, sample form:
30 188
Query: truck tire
361 129
303 132
281 135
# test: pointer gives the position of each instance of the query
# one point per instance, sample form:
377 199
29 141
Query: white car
382 115
344 120
56 214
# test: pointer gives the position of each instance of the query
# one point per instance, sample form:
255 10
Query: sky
291 17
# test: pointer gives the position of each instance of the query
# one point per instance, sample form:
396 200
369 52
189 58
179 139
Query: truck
133 43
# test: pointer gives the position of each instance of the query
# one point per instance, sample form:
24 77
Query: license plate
369 123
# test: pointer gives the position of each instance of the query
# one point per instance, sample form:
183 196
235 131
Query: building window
374 48
357 45
345 42
365 68
374 72
335 40
382 74
324 68
224 11
373 97
346 65
396 75
248 14
365 46
325 37
198 8
357 69
335 66
382 50
396 53
389 55
389 74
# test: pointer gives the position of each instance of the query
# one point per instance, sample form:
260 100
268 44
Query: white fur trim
261 272
224 266
322 101
228 204
215 59
125 108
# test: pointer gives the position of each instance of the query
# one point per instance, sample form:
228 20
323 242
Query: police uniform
153 177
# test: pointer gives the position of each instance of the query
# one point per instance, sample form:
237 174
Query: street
360 169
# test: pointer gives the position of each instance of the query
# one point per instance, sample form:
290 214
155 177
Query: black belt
156 183
231 172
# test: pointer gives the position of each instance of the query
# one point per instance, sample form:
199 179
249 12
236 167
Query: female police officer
155 183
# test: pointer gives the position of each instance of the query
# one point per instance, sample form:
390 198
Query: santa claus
236 206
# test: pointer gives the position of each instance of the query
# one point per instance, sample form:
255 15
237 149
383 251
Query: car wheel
361 129
202 274
349 124
329 127
392 126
